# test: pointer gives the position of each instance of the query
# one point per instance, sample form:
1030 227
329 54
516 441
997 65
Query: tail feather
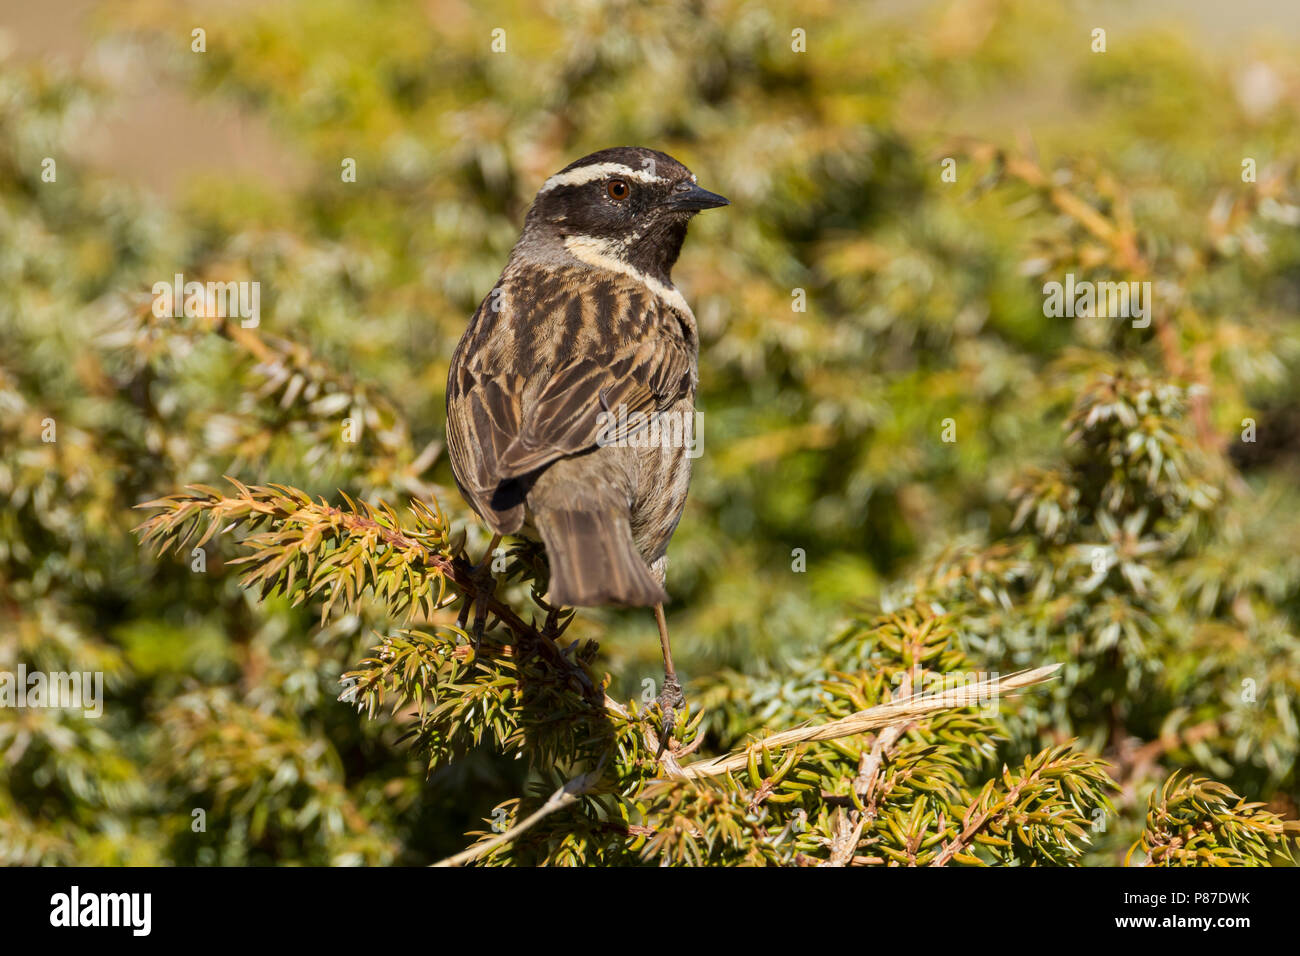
594 560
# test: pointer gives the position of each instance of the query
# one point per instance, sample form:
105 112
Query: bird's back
528 333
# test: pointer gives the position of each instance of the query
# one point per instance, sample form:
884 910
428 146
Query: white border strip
585 174
601 254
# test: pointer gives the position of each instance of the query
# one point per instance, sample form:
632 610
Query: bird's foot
671 700
485 586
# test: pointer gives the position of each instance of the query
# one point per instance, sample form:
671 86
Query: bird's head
628 205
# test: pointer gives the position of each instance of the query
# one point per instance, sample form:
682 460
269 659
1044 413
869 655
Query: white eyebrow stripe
601 254
585 174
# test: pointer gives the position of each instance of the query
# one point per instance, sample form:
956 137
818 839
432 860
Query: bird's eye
618 189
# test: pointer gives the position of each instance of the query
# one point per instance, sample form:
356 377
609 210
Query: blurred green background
822 428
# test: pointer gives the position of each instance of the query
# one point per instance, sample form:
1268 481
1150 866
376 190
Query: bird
557 391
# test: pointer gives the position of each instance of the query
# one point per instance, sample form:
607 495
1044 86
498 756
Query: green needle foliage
920 492
1201 823
917 793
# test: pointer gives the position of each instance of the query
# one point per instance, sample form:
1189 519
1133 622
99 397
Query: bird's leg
671 697
485 584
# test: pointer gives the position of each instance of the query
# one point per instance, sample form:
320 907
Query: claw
671 700
485 586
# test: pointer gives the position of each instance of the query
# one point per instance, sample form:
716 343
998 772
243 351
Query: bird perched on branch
582 349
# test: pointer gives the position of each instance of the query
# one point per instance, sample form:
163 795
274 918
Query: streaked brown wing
482 421
642 377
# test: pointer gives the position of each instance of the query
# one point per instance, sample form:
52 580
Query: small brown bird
571 396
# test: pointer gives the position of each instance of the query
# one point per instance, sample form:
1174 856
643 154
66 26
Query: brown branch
882 715
291 505
1136 761
974 822
1122 238
846 840
561 798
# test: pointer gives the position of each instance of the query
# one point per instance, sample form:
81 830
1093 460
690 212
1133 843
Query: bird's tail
594 560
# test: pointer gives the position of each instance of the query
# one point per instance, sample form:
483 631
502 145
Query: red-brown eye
618 189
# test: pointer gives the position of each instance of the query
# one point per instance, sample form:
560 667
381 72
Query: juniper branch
564 796
307 548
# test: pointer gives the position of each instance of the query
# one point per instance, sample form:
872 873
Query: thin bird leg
484 586
671 697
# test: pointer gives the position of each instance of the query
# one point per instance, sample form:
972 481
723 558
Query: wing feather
511 413
565 418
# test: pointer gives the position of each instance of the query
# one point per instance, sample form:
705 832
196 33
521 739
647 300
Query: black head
627 202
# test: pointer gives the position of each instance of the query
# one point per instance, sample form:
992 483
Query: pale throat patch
603 254
586 174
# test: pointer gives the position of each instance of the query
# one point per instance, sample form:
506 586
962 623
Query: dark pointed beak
689 197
